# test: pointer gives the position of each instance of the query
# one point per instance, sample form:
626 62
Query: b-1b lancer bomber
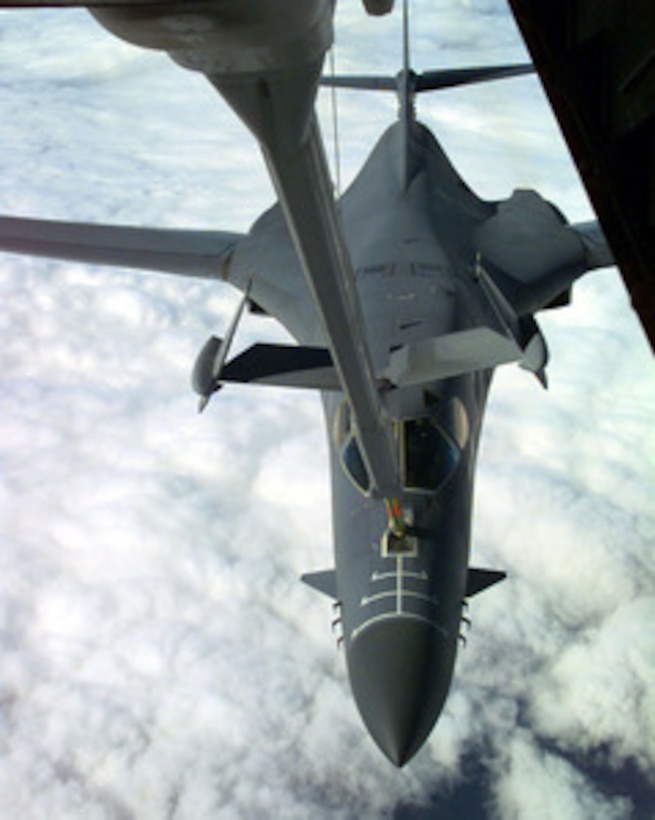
403 296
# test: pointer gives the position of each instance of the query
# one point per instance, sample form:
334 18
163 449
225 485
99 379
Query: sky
159 657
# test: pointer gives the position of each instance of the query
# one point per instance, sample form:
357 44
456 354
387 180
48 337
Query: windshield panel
348 448
430 456
354 465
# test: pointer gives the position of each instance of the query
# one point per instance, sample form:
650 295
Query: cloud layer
159 657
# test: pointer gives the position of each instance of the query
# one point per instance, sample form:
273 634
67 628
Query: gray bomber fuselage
400 611
403 300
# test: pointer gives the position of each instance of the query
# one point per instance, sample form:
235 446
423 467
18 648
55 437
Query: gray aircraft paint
437 288
414 253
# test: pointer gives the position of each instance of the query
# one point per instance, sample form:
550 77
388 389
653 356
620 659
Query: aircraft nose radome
400 670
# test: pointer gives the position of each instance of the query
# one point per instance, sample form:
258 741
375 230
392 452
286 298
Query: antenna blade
449 78
366 83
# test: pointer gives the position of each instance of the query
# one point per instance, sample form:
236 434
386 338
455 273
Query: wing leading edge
201 254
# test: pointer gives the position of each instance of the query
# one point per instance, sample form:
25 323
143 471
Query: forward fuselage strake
400 601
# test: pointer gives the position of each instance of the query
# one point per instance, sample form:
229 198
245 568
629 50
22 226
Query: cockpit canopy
346 441
428 455
430 446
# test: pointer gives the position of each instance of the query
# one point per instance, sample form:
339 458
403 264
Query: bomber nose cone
400 671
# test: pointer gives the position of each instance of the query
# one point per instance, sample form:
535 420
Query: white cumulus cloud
159 657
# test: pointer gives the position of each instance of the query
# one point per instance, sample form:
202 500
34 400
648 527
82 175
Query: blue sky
160 657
